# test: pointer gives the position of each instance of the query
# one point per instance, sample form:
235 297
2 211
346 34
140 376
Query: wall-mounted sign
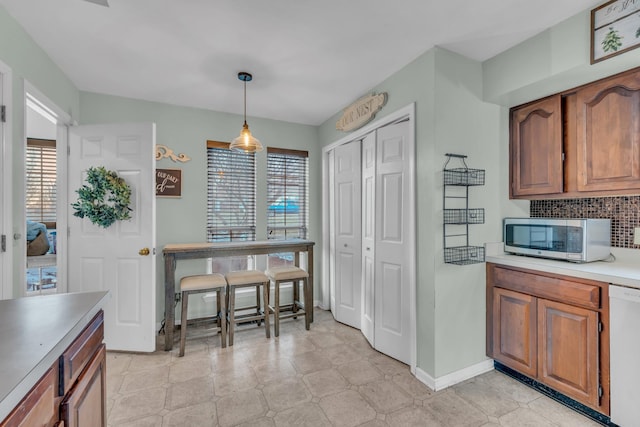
162 151
168 182
361 112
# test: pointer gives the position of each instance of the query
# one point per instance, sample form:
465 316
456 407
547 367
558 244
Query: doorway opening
41 198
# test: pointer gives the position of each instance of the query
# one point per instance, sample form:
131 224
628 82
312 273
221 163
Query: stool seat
286 273
295 275
244 279
202 283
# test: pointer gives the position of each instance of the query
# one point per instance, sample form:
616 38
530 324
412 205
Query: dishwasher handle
624 293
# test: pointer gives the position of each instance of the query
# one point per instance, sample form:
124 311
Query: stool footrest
243 318
293 314
248 307
287 308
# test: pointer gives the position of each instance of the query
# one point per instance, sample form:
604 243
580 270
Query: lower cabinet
73 391
38 408
85 403
568 350
515 331
553 329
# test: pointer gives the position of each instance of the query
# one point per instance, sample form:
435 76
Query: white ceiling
309 58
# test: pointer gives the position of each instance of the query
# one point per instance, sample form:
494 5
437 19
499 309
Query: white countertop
34 332
624 270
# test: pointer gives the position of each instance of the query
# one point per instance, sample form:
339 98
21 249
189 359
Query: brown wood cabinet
608 134
536 148
73 391
85 404
515 330
551 328
579 143
568 350
38 408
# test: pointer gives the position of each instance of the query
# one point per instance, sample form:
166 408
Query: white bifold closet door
347 233
394 237
378 293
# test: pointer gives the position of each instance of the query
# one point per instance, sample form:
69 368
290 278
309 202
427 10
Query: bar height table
176 251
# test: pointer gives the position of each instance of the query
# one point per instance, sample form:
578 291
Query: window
231 200
287 197
41 181
40 200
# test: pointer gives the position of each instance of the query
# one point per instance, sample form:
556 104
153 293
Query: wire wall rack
457 216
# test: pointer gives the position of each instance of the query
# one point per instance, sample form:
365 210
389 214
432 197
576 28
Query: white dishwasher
624 318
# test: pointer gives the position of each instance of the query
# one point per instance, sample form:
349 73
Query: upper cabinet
580 143
536 148
608 134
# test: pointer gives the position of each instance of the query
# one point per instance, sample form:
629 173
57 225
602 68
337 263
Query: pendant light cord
245 102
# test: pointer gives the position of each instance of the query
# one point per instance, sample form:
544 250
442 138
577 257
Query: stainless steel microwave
577 240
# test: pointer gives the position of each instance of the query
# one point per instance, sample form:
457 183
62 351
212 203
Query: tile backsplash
624 212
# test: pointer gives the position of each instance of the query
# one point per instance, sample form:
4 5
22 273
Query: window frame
300 165
234 231
44 154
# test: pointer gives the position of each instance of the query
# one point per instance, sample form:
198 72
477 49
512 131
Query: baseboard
440 383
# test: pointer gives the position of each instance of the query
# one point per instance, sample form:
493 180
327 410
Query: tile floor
328 376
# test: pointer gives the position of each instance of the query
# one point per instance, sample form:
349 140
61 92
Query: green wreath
104 199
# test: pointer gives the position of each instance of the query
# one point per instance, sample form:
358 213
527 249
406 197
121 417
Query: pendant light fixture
245 142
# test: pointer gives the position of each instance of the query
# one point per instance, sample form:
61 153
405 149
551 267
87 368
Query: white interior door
331 223
348 234
393 242
110 259
368 235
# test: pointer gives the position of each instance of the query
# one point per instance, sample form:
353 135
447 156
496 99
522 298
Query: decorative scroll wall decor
361 112
162 151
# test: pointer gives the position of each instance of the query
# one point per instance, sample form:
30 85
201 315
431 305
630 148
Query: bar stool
245 279
294 275
199 284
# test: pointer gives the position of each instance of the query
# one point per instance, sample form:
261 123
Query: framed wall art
615 29
168 182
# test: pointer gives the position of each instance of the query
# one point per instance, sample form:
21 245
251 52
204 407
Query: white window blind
231 194
287 193
41 181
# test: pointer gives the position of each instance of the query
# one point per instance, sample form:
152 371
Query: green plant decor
104 199
612 41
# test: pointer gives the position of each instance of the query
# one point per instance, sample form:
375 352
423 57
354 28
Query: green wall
553 61
28 62
186 130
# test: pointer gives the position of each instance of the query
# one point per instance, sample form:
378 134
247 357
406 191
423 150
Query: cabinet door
568 350
536 148
39 407
608 134
514 330
85 405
